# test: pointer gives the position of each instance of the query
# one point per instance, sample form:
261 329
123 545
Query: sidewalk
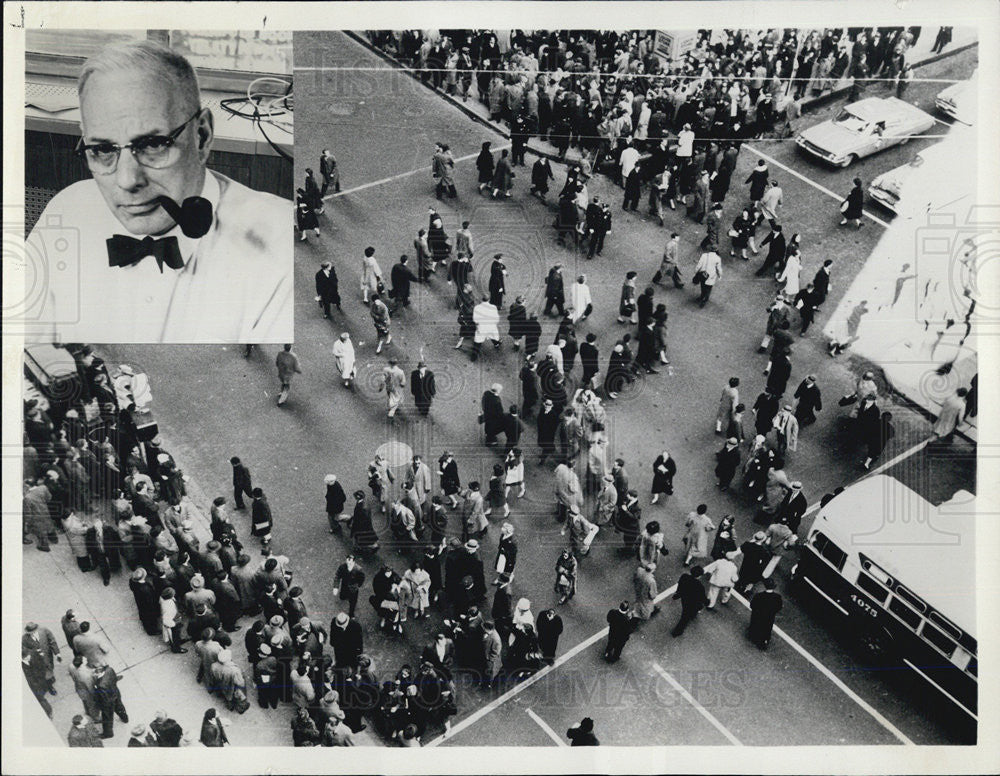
920 54
150 676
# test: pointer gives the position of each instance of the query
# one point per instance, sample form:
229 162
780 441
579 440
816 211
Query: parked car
960 101
864 128
887 188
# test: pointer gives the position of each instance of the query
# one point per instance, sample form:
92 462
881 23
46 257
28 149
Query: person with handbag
627 309
707 273
852 208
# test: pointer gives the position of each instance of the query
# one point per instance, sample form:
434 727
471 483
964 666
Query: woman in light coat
644 584
567 489
474 513
76 532
790 275
607 501
698 526
420 583
371 274
343 357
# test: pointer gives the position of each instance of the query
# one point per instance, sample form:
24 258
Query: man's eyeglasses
154 151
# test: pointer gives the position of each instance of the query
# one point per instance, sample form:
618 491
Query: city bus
901 572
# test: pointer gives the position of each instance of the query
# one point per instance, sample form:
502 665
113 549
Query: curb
825 99
816 102
813 103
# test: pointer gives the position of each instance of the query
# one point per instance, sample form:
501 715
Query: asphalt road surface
213 403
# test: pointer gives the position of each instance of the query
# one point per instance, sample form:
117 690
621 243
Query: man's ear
206 134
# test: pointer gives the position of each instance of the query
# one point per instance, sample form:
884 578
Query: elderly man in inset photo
155 247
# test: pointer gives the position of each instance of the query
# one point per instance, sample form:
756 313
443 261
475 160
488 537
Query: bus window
875 571
873 588
934 635
904 612
911 598
973 667
961 659
829 550
946 625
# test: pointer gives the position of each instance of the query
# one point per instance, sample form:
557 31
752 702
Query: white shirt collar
211 191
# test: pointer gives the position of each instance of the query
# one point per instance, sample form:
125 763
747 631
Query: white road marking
701 709
566 657
545 726
522 686
811 182
401 175
875 714
879 469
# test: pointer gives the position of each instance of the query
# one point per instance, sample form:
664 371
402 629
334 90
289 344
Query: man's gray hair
149 57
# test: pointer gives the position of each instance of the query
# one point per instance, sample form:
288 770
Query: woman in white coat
343 356
371 274
790 276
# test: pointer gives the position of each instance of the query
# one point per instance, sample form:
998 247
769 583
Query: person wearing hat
260 516
141 736
722 575
582 733
474 522
39 640
165 730
108 698
327 287
203 616
212 731
295 608
809 401
147 600
792 507
786 430
764 607
620 627
362 528
227 679
83 733
628 521
347 641
198 594
422 387
71 627
266 675
304 730
242 482
727 462
502 608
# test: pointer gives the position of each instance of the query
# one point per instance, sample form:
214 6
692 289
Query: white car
887 188
960 100
864 128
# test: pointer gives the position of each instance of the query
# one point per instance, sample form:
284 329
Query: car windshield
848 120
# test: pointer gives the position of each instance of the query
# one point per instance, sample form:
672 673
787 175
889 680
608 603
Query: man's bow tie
123 251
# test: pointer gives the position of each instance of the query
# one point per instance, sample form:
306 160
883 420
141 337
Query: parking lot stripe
875 714
545 726
701 709
800 176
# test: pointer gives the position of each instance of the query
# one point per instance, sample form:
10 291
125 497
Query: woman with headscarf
362 529
335 500
664 470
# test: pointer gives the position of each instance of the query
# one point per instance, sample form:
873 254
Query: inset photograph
157 187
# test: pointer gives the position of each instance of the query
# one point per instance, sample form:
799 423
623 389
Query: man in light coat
786 428
722 574
486 317
709 272
581 303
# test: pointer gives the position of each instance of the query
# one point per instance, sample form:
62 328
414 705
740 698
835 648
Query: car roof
880 108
